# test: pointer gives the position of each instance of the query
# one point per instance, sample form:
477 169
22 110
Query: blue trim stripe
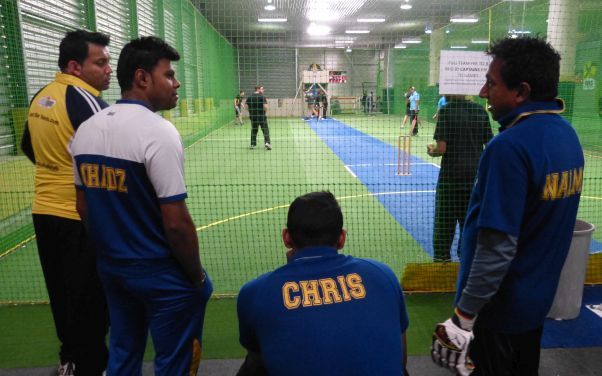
167 200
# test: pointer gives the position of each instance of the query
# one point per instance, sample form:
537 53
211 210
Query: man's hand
450 347
433 150
430 148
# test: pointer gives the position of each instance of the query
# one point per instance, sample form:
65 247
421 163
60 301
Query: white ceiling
237 20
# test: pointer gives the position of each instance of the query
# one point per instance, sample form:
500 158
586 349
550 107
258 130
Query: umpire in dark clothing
257 105
461 133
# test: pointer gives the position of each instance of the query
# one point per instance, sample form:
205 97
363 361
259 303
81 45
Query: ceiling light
479 41
315 29
344 41
411 41
321 16
400 45
357 31
271 19
470 19
373 20
269 7
406 6
458 47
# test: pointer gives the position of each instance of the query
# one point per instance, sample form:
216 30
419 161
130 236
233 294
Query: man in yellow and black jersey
68 261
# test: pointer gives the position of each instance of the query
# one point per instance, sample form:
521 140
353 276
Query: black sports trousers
501 354
451 203
256 122
76 296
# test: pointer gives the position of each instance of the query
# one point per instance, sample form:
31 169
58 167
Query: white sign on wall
462 72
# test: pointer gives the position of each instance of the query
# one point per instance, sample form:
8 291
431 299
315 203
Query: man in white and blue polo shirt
129 174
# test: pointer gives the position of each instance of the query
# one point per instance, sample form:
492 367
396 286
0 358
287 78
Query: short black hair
142 53
74 46
315 219
531 60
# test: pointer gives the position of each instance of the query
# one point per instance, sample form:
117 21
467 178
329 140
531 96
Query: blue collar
134 101
313 252
509 120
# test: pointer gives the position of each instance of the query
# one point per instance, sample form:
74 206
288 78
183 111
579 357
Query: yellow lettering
356 288
93 181
550 190
287 289
103 178
120 177
311 295
111 179
577 180
344 289
563 184
563 187
83 173
329 291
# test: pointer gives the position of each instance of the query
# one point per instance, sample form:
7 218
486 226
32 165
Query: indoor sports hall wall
239 197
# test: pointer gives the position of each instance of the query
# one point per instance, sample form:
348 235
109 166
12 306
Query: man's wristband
463 320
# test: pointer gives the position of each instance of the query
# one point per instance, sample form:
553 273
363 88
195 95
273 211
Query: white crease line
286 138
350 171
391 164
403 193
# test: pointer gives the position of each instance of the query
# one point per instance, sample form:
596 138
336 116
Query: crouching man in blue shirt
323 313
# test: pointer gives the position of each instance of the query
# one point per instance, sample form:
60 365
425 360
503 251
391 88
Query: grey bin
567 302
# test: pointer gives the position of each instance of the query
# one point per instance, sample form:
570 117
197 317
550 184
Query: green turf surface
238 198
28 338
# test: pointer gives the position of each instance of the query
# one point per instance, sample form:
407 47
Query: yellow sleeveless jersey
54 114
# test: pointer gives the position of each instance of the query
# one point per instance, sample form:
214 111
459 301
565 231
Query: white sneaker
252 147
66 369
268 146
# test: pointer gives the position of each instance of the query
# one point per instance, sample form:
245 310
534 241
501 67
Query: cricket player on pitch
129 175
323 313
520 218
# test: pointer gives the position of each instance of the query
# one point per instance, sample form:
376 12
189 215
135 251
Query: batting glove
451 344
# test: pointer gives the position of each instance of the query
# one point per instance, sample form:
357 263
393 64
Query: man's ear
287 239
523 93
141 78
74 68
341 240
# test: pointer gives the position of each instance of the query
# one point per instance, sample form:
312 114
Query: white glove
450 348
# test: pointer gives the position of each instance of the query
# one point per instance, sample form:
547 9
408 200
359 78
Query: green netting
238 197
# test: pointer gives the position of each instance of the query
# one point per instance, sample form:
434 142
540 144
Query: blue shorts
155 296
